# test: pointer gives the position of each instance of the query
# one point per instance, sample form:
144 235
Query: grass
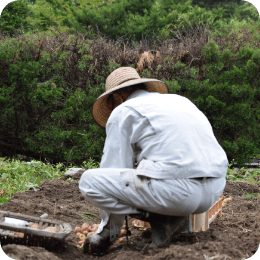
70 179
251 195
243 174
88 215
19 176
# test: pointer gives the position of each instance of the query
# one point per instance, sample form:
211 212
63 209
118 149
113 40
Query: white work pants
119 192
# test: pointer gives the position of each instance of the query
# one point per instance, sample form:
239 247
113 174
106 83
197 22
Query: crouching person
181 166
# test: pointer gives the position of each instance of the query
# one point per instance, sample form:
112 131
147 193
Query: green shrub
47 88
13 17
47 14
228 91
50 81
157 19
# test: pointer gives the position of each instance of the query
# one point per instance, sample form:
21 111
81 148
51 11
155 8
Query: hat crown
120 76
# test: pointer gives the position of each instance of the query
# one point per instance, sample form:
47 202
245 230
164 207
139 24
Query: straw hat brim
100 110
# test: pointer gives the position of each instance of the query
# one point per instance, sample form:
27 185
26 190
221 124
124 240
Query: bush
50 81
47 14
227 89
157 18
13 17
48 85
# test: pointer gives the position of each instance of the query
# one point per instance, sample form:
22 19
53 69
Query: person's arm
118 151
124 131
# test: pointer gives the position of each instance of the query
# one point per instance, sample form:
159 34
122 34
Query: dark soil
235 235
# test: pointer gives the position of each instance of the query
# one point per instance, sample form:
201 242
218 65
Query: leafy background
56 55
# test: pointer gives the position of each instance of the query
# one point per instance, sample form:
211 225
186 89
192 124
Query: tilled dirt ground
235 235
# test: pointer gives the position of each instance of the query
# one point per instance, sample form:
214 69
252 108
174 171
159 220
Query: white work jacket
167 135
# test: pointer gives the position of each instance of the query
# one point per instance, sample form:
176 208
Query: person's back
176 138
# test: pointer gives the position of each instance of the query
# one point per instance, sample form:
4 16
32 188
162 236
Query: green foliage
233 94
115 18
160 18
235 8
50 14
46 98
251 196
13 17
88 216
90 164
227 90
50 81
243 174
17 176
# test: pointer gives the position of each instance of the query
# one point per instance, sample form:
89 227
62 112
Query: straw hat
121 78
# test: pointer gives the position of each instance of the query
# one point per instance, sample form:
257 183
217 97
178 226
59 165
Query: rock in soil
235 235
74 172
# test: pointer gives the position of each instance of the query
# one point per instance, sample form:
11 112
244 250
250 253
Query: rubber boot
163 227
97 243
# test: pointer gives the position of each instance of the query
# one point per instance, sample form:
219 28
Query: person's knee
86 179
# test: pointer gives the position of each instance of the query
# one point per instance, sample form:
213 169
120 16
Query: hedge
49 81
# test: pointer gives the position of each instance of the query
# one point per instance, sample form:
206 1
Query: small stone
72 172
